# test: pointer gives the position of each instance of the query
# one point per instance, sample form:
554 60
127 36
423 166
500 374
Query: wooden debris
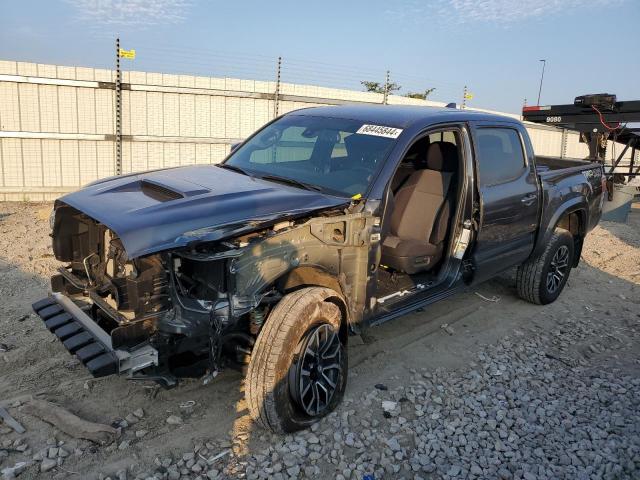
69 423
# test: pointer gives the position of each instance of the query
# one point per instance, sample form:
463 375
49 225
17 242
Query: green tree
421 96
377 87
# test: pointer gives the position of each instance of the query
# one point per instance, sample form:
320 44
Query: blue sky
492 46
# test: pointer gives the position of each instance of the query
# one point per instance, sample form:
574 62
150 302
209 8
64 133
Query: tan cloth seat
421 211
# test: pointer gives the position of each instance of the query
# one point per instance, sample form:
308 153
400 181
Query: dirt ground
606 287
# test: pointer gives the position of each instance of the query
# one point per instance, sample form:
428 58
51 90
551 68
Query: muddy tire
299 353
540 280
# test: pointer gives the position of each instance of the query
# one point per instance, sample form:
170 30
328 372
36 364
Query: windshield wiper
291 181
235 169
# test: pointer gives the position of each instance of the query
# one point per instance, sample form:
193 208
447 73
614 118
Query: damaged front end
187 311
158 316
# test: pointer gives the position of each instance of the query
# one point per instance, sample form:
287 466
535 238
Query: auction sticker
380 131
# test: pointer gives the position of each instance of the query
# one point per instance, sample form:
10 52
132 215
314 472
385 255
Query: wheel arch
574 221
571 216
315 276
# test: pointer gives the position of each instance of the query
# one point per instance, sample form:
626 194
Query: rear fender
574 205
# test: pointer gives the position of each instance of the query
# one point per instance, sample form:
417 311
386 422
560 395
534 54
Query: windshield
321 153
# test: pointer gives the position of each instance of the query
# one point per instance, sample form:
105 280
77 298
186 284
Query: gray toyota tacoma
326 221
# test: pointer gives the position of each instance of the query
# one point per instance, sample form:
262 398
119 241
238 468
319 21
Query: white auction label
380 131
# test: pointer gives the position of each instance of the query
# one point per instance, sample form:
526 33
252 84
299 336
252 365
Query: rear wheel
298 368
540 280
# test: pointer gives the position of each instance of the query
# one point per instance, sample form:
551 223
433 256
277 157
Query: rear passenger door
509 204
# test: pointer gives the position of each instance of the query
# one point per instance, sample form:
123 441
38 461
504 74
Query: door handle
529 199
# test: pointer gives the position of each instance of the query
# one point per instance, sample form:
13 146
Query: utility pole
544 63
276 97
464 97
118 111
386 90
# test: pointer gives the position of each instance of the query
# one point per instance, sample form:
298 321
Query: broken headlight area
181 305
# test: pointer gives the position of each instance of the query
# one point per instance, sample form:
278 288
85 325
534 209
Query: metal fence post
385 98
563 143
276 97
118 132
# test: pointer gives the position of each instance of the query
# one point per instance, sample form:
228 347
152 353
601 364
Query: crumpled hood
171 208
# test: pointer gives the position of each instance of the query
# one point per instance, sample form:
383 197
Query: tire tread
260 381
529 274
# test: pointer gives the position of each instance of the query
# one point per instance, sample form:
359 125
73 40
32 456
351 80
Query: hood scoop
158 192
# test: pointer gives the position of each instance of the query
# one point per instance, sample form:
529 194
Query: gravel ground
468 388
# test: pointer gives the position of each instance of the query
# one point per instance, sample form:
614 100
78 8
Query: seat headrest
430 181
442 157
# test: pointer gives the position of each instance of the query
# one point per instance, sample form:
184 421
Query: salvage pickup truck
324 222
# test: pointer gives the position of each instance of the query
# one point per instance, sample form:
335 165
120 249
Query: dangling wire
604 124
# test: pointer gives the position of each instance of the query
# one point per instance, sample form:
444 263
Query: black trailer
598 118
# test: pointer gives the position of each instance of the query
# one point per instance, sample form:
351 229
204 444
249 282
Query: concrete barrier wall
57 123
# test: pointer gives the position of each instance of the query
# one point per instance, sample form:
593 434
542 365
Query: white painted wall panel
218 117
187 116
8 67
139 156
155 119
68 108
155 154
575 149
210 111
12 162
51 168
27 68
105 110
545 142
232 117
247 115
29 108
203 153
171 114
137 107
48 101
9 107
86 98
69 152
202 116
88 160
219 152
187 153
171 155
32 162
105 159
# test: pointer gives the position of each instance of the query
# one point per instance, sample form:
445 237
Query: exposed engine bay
195 309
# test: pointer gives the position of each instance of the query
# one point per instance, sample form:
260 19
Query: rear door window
500 155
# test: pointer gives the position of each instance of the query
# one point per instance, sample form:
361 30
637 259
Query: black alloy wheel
558 269
315 376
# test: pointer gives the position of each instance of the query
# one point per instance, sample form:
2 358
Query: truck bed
551 164
567 181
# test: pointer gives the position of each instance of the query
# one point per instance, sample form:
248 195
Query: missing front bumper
85 339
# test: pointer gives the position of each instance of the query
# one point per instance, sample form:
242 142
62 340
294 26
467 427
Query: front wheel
298 368
540 280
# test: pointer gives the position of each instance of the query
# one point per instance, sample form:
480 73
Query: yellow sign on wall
130 54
